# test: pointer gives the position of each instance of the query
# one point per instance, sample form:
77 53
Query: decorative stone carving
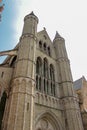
44 124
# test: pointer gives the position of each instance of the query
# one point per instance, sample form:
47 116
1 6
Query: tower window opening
40 44
51 88
49 51
45 68
47 87
54 89
40 83
39 66
44 85
44 46
52 73
36 82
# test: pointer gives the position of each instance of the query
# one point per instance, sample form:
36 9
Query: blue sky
6 28
68 17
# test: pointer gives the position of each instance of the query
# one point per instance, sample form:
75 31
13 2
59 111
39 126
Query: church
36 85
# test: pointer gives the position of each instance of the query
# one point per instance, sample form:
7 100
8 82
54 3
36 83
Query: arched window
44 46
45 67
52 78
47 87
54 89
40 44
39 66
38 73
40 83
44 85
2 107
51 88
37 82
49 51
52 73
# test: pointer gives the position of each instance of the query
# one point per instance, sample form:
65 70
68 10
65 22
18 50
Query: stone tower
36 84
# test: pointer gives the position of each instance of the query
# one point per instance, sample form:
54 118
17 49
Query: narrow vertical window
38 66
52 78
44 86
37 82
40 44
44 46
49 51
52 73
45 68
47 87
38 73
40 83
51 88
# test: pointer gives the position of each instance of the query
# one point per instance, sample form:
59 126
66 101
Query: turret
63 62
30 24
21 113
27 45
71 107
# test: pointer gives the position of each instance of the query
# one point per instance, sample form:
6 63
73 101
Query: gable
44 43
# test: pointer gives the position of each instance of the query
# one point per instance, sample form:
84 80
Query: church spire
58 36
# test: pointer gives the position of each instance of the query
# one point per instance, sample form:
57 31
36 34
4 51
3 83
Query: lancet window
44 47
39 66
40 44
45 78
52 79
45 69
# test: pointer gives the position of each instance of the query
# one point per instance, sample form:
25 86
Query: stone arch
48 121
12 61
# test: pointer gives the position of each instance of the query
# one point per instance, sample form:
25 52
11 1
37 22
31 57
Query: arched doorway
47 121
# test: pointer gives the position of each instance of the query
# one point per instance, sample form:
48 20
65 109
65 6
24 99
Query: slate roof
78 83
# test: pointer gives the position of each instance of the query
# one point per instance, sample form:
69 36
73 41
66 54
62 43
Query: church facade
36 86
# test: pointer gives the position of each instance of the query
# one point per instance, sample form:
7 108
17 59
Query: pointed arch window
39 66
52 73
44 46
49 51
44 85
45 67
37 82
40 83
52 78
40 44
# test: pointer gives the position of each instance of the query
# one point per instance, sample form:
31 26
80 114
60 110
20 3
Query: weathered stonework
37 80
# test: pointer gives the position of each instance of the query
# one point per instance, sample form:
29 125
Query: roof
78 83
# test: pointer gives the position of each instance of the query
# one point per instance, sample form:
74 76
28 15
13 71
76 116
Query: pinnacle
32 13
57 35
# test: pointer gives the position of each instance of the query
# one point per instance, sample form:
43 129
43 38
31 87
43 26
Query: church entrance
47 122
44 124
